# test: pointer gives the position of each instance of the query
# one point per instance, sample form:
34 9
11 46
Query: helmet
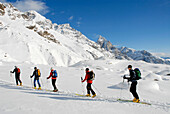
15 66
35 67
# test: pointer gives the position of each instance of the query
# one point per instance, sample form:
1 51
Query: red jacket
51 75
87 77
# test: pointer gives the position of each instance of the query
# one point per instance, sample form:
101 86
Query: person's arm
33 74
50 75
13 71
85 78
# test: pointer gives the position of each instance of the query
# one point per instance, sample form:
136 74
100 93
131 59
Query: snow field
108 82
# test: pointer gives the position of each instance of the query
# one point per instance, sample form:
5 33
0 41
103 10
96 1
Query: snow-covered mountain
30 37
130 54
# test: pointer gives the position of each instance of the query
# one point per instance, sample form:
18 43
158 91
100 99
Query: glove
124 77
47 77
10 71
31 76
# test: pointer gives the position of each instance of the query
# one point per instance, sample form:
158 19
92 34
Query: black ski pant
17 78
89 89
53 83
133 89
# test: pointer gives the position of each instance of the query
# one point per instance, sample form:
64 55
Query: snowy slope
108 82
30 37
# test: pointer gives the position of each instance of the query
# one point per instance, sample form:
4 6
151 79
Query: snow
109 84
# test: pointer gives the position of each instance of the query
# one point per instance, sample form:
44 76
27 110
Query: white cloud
26 5
3 1
70 18
161 54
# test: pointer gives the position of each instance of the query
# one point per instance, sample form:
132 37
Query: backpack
54 73
92 75
38 71
18 70
138 74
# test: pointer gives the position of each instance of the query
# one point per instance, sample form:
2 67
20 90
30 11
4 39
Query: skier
17 75
36 75
89 83
53 74
133 84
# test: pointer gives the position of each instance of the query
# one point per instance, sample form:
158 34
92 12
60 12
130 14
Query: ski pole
31 83
11 76
42 82
121 89
82 85
46 84
96 89
128 88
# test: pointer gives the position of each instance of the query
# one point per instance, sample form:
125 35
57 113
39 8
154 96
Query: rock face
2 9
130 54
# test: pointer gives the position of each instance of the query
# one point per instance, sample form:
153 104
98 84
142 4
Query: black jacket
132 75
16 72
35 73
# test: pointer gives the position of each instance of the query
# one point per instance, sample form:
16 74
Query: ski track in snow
108 82
62 95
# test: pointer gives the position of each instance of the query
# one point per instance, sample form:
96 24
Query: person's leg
88 88
135 93
38 83
53 83
19 79
34 82
16 78
133 90
92 90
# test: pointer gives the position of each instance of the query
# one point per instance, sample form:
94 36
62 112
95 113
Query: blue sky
138 24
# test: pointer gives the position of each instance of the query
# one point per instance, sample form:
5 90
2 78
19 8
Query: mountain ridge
59 45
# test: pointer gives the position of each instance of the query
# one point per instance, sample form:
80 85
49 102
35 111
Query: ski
51 90
83 95
125 100
37 89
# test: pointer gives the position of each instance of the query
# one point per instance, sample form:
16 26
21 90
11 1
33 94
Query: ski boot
34 88
55 90
20 84
137 101
94 96
39 88
88 95
134 99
